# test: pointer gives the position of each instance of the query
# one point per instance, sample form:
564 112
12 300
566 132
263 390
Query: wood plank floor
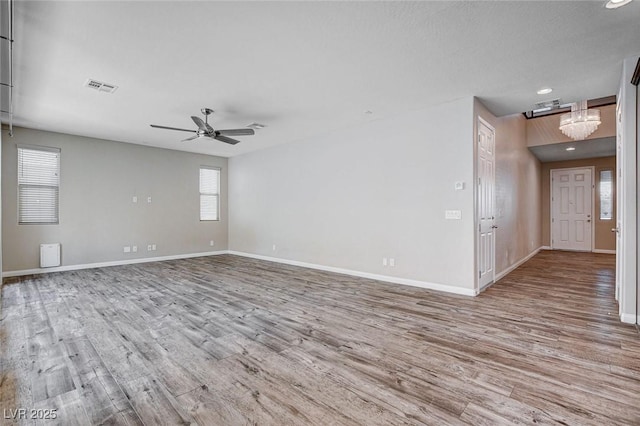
231 341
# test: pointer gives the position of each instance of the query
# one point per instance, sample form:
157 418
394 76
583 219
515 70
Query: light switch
459 186
148 199
134 199
452 214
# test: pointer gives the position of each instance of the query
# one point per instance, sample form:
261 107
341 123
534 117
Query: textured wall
97 215
545 130
518 205
350 198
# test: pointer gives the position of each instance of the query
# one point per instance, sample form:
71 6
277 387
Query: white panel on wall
49 255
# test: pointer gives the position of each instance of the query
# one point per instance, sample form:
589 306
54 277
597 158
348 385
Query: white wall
628 103
350 198
97 216
518 190
1 205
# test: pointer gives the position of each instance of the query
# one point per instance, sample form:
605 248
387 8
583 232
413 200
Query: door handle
494 227
615 230
588 220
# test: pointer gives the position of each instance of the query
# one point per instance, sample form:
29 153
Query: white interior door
486 204
571 206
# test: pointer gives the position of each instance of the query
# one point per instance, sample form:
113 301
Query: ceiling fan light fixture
206 131
580 122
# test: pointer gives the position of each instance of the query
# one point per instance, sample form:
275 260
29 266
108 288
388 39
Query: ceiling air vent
547 105
100 86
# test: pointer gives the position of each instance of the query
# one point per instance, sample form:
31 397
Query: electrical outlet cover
453 214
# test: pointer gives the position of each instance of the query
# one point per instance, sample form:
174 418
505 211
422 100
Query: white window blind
209 193
38 185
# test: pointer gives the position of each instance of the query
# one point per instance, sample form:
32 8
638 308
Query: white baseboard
545 248
630 318
105 264
603 251
385 278
518 263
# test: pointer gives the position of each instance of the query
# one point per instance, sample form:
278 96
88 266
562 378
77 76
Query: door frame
620 208
593 204
476 222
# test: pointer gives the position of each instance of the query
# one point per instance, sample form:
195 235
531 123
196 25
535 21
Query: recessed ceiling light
571 148
544 91
614 4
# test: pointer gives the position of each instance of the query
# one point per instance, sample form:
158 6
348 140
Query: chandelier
580 122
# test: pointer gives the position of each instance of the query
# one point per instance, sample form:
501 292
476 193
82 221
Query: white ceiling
303 68
589 148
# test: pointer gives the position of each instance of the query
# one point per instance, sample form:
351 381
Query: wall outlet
134 199
274 247
392 262
384 261
148 199
127 249
453 214
211 243
153 247
134 249
149 247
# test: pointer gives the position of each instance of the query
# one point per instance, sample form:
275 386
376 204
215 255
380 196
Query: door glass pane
606 195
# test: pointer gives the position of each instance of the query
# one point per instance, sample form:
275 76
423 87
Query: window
209 193
606 195
38 185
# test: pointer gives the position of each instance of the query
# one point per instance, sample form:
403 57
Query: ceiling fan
206 131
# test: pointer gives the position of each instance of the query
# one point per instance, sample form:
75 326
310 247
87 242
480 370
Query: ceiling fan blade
172 128
236 132
226 139
201 124
191 138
